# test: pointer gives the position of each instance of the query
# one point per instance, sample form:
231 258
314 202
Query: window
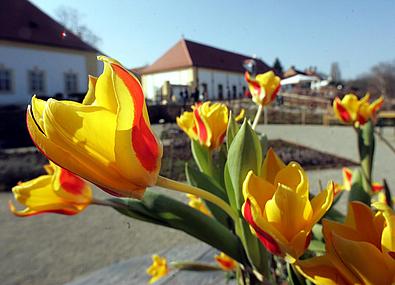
234 91
36 81
71 83
5 80
220 92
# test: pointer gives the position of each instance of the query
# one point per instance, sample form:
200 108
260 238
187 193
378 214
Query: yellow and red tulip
351 110
360 251
158 268
207 123
107 140
264 87
225 262
278 208
347 183
60 191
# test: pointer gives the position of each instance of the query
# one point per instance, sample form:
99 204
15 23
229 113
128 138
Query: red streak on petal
345 116
71 182
275 92
143 140
229 264
202 131
270 244
377 187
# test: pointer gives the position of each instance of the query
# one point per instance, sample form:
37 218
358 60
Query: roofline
191 66
47 44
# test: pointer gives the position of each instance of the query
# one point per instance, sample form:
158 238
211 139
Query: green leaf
358 192
231 131
229 188
207 183
202 156
244 154
264 143
160 209
388 195
366 146
317 232
317 246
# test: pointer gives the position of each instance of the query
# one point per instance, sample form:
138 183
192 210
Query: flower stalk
185 188
257 117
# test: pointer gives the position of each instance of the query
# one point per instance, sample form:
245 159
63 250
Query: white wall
214 77
54 64
155 81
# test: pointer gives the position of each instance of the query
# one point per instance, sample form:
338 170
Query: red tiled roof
21 21
186 53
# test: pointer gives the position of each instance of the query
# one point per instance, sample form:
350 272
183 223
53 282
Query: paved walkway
54 249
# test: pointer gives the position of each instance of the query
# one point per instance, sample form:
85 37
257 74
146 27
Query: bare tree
70 18
383 77
335 72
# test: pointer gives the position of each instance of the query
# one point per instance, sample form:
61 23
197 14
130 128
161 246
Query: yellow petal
81 163
288 212
294 177
322 202
90 95
271 166
321 271
187 123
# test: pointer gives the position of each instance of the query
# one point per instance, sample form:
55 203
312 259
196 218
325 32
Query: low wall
20 164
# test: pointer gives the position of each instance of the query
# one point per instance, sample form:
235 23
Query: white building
189 66
38 56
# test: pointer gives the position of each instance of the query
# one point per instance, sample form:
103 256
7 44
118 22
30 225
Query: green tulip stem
185 188
257 116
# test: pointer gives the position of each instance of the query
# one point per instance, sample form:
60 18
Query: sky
356 34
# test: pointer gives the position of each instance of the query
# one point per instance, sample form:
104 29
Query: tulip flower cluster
244 200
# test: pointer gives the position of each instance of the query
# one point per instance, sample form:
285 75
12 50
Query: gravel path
54 249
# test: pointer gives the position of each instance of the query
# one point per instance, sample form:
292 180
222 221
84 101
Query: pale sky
357 34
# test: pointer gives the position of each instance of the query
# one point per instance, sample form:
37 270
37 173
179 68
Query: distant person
186 95
196 95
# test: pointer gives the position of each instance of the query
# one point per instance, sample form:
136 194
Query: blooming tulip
158 269
225 262
347 183
360 251
206 123
264 87
350 110
60 191
278 208
106 140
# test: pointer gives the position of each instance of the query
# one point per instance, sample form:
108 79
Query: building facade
196 70
39 57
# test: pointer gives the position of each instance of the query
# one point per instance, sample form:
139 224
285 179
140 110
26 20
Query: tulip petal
132 115
321 271
38 197
271 166
266 239
341 112
258 191
105 177
294 177
90 98
288 212
322 202
203 131
187 123
365 261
